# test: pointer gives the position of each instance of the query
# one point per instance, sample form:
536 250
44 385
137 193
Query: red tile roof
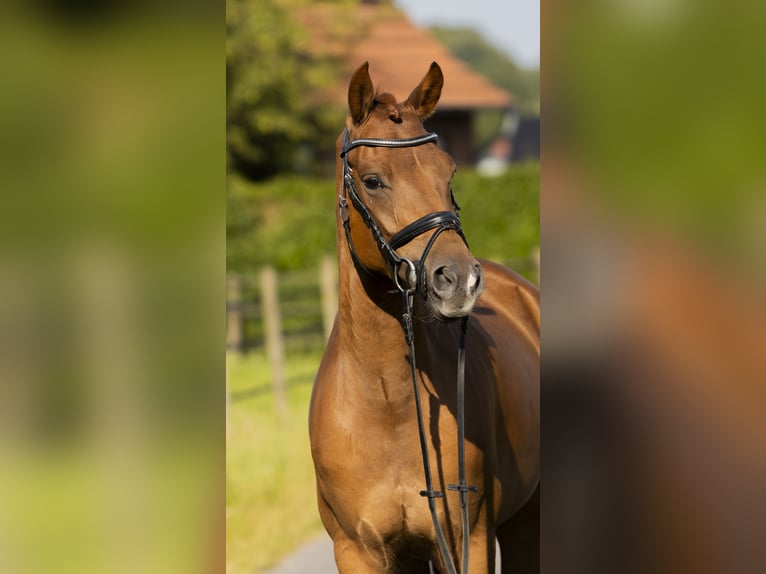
399 54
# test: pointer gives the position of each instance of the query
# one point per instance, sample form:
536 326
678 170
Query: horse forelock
388 105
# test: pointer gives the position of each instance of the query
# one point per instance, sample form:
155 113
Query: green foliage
501 215
278 93
472 48
290 221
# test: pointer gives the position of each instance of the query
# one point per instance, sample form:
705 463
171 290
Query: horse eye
372 183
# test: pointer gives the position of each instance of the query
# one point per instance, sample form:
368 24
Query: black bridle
439 220
414 281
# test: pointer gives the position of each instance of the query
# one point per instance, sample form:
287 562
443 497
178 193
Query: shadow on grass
260 390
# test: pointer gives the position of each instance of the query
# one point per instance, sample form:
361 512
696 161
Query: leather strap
462 487
429 492
376 142
445 219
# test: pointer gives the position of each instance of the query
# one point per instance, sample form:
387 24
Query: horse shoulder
513 300
508 313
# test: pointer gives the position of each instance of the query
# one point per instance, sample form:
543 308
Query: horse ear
423 99
360 94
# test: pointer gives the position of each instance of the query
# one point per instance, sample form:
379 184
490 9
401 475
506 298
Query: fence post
234 337
536 259
329 293
275 346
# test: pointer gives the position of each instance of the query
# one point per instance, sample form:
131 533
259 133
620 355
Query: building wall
455 129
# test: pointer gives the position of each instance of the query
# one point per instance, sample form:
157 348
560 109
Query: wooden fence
293 310
289 311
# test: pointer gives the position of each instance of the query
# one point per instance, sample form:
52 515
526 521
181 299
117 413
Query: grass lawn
270 491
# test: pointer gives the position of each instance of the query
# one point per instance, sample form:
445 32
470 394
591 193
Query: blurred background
288 68
653 232
112 267
119 189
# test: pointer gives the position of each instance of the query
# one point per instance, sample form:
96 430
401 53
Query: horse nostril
475 279
444 280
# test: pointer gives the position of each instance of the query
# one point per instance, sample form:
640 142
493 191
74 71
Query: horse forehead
391 119
428 157
380 125
423 162
428 154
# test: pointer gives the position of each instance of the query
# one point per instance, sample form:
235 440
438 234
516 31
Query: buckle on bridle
411 275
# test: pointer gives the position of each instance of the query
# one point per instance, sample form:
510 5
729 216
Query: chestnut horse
399 236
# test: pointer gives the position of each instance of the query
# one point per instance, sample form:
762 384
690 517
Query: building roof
399 54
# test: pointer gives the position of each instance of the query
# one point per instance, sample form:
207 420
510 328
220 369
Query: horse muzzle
452 288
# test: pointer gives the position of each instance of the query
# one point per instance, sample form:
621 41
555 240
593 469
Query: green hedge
501 215
289 221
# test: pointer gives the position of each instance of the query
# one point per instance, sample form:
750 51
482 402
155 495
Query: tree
468 45
277 91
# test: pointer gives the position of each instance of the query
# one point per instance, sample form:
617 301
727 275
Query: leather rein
414 280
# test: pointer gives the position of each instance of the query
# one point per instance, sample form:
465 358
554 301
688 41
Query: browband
375 142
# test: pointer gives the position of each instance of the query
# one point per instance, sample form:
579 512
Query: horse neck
369 317
371 335
369 329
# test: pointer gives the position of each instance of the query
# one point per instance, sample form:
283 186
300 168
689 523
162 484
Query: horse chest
375 470
375 491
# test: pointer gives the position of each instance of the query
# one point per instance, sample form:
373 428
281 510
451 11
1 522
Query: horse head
402 221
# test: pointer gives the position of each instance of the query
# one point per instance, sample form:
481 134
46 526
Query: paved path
315 557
